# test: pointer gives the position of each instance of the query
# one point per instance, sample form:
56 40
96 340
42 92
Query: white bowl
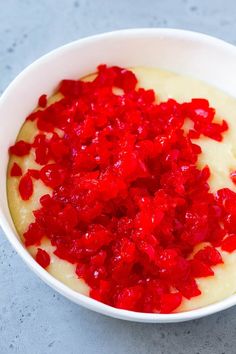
200 56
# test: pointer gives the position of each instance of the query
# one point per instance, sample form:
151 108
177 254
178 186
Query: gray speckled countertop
33 318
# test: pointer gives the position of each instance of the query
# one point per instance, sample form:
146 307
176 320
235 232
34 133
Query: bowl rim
63 289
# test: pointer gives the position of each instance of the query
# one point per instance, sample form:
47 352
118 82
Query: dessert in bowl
121 184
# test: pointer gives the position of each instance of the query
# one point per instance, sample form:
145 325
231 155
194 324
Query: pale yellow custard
220 157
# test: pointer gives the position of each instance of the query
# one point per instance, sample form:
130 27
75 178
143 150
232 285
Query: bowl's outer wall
189 53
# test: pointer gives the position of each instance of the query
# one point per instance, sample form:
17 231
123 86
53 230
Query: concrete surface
33 318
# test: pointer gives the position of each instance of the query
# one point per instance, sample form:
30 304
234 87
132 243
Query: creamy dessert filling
219 156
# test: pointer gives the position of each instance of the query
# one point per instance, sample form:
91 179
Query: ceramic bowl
198 55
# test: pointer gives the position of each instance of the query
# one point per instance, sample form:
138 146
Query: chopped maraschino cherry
169 302
42 101
43 258
21 148
233 177
16 171
26 187
129 202
209 255
229 243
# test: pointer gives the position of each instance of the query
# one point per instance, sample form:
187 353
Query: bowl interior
189 53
